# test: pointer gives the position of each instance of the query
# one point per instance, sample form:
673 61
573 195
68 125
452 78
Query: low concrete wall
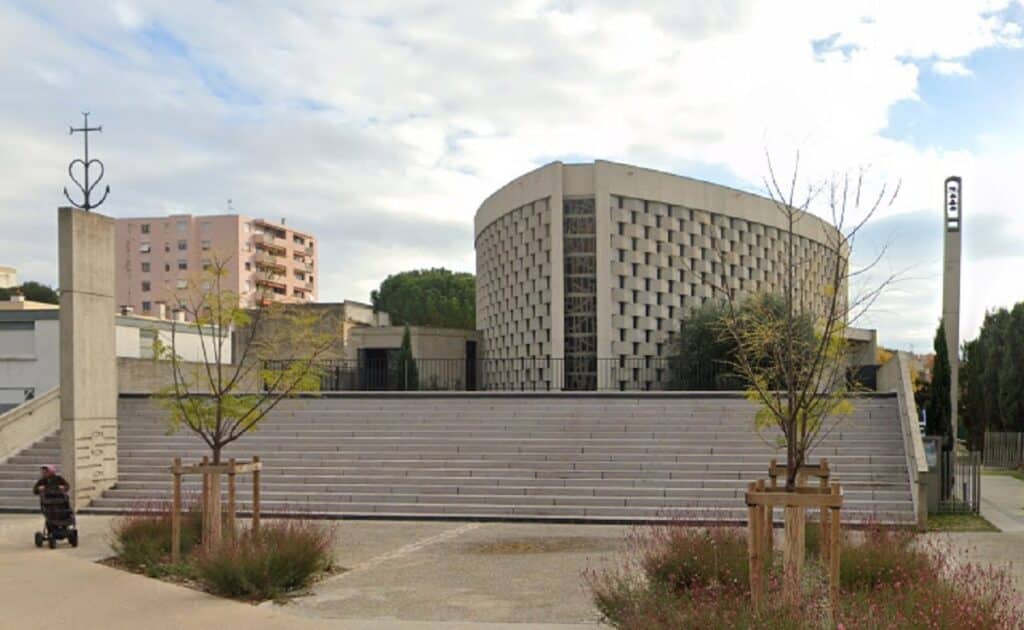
28 423
895 376
146 376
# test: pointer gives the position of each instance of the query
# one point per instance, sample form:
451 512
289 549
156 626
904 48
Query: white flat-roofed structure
597 263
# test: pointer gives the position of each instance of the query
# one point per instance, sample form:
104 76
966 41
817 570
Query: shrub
679 557
284 556
938 588
142 538
884 556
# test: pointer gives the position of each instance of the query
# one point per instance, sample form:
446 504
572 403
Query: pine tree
939 406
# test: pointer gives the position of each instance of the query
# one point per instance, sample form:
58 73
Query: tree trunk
212 508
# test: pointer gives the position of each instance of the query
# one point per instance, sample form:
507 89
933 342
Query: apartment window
145 248
204 227
182 226
147 306
248 227
145 228
181 284
300 275
182 246
248 266
299 240
167 247
248 247
206 246
206 265
206 285
167 266
145 286
183 265
145 267
248 285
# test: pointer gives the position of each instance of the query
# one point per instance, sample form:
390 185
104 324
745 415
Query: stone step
575 458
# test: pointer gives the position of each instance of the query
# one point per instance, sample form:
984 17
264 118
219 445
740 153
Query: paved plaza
402 575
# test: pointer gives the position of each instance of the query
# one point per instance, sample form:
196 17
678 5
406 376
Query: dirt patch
564 544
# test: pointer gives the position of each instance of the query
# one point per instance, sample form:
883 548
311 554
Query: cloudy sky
381 126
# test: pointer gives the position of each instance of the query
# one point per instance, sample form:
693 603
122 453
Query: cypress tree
407 375
939 408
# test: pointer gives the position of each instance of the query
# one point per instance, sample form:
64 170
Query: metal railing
520 374
1004 450
960 482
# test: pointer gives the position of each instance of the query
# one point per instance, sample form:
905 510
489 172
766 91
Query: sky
381 126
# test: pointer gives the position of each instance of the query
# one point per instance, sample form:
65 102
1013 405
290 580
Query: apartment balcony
268 243
267 260
272 280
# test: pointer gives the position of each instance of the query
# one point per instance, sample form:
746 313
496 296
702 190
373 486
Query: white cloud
951 68
328 113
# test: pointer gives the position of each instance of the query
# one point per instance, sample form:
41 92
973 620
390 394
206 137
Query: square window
167 247
182 246
145 267
248 266
181 284
144 248
145 228
145 286
147 306
206 245
183 265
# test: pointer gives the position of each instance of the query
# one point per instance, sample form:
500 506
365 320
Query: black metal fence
526 374
960 482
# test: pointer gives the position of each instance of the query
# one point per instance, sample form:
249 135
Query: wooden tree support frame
210 499
823 473
761 500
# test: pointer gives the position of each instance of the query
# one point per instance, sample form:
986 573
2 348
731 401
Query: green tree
220 401
33 292
406 374
428 297
939 408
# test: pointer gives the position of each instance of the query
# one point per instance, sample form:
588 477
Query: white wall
29 358
30 351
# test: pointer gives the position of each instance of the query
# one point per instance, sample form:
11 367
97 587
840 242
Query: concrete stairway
617 457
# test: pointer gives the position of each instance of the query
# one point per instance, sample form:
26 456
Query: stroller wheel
39 539
73 537
53 543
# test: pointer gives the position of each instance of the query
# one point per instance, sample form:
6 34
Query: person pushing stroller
59 518
50 483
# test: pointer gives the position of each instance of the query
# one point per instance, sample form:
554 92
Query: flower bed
682 577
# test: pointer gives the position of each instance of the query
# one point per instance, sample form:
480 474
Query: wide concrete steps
596 458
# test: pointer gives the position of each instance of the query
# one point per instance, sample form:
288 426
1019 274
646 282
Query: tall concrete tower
951 289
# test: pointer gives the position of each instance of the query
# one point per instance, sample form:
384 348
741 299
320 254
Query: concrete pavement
1002 501
403 576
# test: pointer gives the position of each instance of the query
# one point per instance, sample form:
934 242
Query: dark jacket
50 485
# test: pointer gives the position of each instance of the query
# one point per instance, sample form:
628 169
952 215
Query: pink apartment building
158 255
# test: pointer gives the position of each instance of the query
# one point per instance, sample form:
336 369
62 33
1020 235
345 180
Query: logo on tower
85 185
953 201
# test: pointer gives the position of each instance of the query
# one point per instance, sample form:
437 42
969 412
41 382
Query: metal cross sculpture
86 163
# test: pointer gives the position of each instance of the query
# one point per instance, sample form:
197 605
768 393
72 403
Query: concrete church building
591 267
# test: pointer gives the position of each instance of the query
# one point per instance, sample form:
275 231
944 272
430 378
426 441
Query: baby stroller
59 519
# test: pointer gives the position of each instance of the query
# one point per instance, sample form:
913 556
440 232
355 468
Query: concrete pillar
88 363
951 290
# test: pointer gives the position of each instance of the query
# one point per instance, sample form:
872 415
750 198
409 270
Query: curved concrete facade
600 261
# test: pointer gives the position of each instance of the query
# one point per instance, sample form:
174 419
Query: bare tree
791 350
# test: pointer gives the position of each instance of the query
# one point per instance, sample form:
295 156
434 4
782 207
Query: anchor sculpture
87 187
